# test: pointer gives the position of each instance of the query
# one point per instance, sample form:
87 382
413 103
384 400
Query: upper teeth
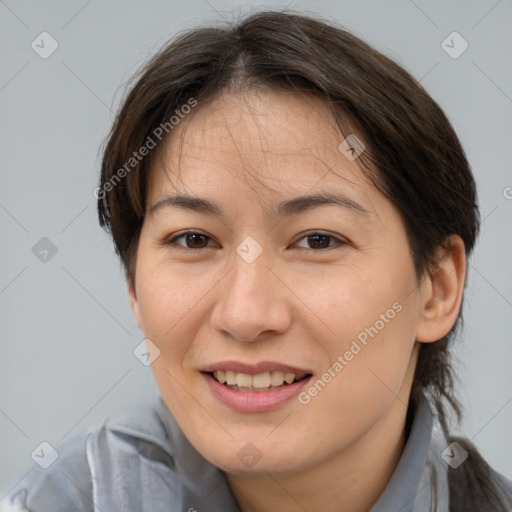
261 380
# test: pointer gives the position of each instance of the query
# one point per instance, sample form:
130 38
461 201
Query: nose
252 302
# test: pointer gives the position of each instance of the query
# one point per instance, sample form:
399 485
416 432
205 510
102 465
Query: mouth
260 382
254 388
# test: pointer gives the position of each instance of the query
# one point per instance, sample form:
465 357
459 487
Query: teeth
260 381
276 378
243 380
230 378
220 376
289 377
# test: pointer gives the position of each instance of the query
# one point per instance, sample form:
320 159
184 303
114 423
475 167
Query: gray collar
420 480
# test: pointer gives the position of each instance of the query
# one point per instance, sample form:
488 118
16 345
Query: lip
254 368
254 401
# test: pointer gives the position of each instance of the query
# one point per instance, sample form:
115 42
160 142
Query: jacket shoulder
62 478
59 480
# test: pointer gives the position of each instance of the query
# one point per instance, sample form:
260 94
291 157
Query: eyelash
172 241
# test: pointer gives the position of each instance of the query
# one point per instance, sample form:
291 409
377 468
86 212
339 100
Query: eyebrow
289 207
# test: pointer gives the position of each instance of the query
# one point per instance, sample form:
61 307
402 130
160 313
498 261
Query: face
264 287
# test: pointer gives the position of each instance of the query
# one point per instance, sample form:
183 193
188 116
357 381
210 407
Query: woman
294 215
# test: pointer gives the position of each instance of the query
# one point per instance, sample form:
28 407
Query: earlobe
442 292
134 304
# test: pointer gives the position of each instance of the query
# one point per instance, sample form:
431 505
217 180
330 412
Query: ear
442 291
134 303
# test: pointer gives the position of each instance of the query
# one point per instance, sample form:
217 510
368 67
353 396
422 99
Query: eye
193 240
319 240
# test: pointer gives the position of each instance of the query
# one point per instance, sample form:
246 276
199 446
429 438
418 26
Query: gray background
67 334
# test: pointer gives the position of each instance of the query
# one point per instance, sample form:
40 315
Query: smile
253 388
260 382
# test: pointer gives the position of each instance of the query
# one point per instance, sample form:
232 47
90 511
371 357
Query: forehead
273 142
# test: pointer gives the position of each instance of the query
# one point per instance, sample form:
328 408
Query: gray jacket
140 460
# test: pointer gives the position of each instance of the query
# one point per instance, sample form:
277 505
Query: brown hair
413 154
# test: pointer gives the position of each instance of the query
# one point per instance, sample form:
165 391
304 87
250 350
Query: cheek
163 303
362 305
165 295
364 380
174 305
373 323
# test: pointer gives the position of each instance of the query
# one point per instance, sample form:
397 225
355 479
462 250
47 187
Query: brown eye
321 240
192 239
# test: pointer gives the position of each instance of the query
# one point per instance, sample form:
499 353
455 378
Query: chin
268 463
259 456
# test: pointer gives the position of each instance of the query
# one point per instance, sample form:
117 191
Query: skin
296 303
